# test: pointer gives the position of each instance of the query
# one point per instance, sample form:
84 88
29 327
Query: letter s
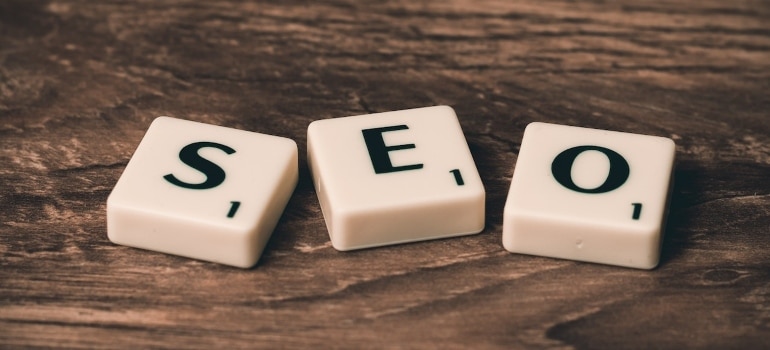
214 174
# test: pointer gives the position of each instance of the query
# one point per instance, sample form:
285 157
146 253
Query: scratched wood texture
80 82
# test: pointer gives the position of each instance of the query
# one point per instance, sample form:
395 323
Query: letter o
617 176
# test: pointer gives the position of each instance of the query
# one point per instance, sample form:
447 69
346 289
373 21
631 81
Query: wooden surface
80 82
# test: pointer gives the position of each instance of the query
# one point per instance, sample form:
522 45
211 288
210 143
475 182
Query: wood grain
80 82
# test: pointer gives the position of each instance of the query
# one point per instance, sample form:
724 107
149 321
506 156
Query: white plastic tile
203 191
395 177
589 195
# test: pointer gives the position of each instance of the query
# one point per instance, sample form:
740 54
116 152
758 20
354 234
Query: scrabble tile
395 177
203 191
589 195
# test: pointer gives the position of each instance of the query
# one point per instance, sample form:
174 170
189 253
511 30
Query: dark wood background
80 82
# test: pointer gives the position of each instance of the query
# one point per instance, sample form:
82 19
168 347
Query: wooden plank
81 81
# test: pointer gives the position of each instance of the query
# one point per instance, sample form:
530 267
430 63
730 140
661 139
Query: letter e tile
395 177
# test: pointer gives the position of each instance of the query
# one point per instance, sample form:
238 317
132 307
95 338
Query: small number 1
458 177
233 208
637 210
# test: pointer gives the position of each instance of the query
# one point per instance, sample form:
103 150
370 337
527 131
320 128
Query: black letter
562 169
214 174
378 151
